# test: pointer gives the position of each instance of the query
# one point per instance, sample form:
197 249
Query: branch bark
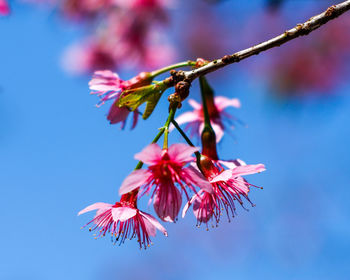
300 29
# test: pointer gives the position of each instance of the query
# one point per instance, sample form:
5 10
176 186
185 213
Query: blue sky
58 154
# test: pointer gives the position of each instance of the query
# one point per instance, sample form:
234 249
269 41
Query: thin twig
299 30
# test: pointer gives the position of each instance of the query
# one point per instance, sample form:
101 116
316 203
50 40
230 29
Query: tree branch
299 30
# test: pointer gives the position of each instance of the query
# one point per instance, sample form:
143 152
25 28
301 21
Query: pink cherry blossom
88 55
108 86
4 8
123 221
166 170
195 118
228 187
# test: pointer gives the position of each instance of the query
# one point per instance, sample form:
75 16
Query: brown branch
299 30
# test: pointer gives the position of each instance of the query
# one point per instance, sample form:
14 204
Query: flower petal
123 213
152 154
194 104
136 179
222 102
154 222
189 203
97 205
116 114
223 176
231 164
248 169
181 153
192 176
203 206
167 203
188 117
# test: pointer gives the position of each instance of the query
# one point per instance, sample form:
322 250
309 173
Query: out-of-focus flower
314 66
4 8
107 85
195 118
89 55
123 221
166 170
85 9
228 187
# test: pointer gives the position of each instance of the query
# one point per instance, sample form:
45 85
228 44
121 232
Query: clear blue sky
58 154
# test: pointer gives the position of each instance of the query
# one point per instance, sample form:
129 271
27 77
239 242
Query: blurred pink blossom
4 8
195 118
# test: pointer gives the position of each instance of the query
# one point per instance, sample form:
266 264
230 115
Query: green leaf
133 98
151 105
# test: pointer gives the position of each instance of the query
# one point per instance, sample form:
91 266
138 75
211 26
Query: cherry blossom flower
228 187
166 170
4 8
85 9
195 118
108 86
87 56
123 221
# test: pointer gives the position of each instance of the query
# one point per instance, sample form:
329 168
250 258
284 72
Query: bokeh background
58 153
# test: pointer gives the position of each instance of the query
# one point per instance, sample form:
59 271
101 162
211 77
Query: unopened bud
209 143
142 79
201 62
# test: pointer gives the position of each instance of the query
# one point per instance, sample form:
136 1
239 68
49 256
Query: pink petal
135 118
123 213
154 222
188 117
106 74
222 102
4 8
149 227
223 176
136 179
189 203
181 153
248 169
116 114
203 206
104 87
167 203
192 176
152 154
239 185
195 104
231 164
97 205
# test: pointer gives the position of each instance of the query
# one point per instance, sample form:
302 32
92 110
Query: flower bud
209 143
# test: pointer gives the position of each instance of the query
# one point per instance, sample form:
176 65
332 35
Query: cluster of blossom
4 8
314 66
212 187
123 33
127 33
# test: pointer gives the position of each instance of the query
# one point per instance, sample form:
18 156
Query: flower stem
155 140
205 96
173 66
208 134
167 124
183 134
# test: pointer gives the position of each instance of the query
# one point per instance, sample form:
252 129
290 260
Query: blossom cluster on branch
211 186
